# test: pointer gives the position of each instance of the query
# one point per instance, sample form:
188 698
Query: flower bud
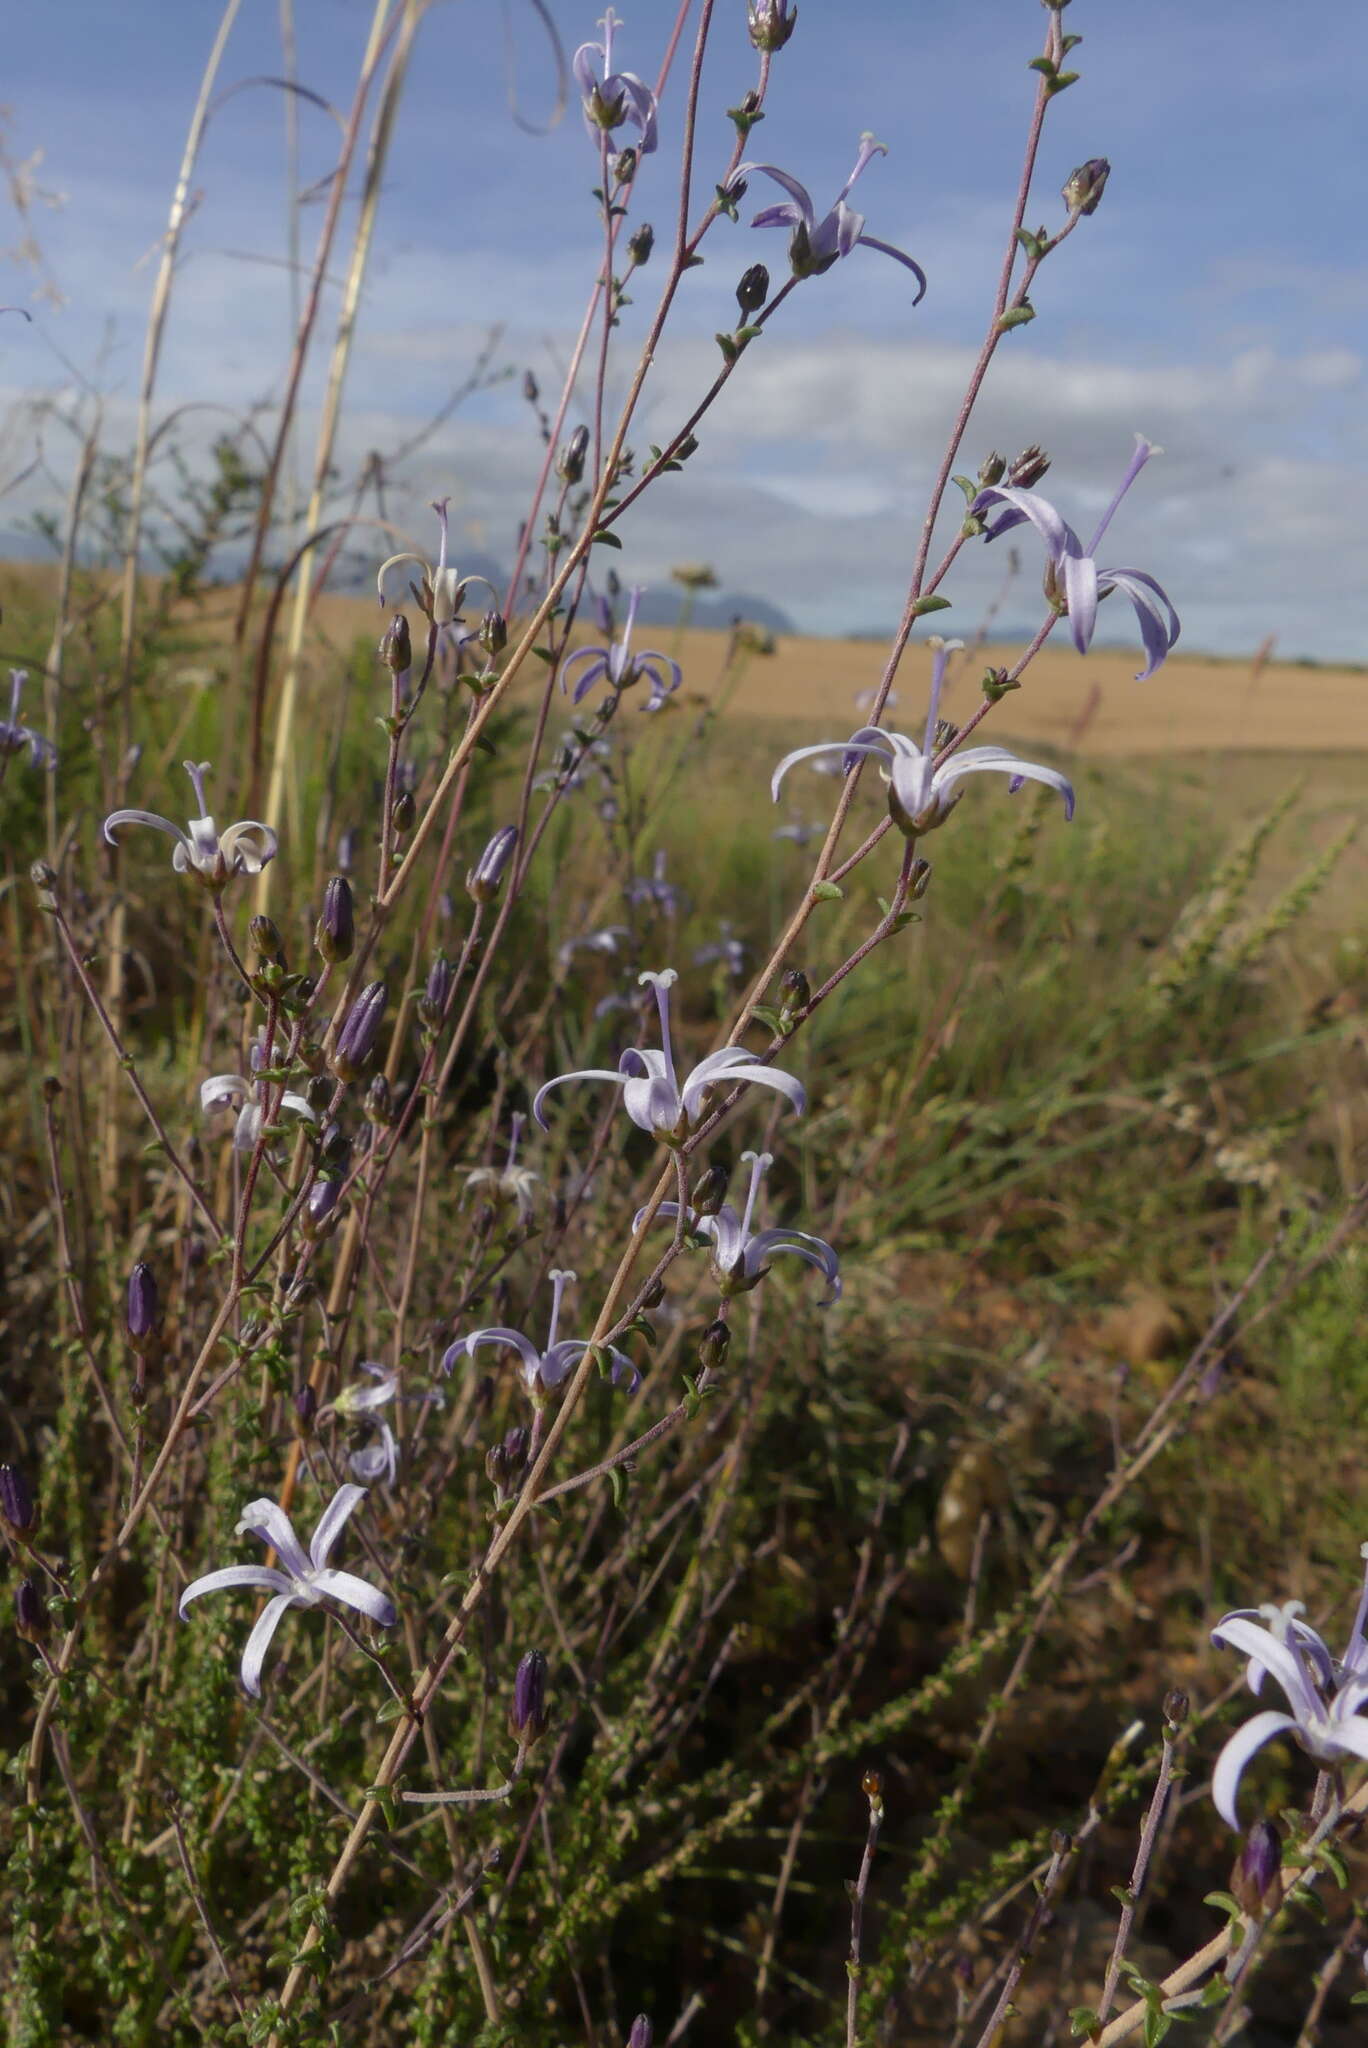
527 1713
770 22
320 1207
432 1003
493 632
17 1509
379 1106
625 165
642 2034
1029 467
573 455
267 944
1175 1708
1255 1882
712 1351
753 289
710 1190
484 878
396 647
144 1309
335 937
30 1615
640 244
530 388
515 1445
992 470
795 992
356 1039
305 1405
403 811
1082 189
496 1471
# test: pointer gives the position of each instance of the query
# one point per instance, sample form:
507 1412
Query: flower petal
248 846
580 1074
799 194
235 1575
1058 536
1225 1779
269 1522
259 1641
803 1245
223 1090
1276 1657
1080 593
1155 616
960 765
354 1592
824 747
899 256
331 1523
512 1340
141 818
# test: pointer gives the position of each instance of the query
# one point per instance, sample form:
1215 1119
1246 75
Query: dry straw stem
337 375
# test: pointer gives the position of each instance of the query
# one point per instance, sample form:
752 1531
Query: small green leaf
763 1014
728 348
924 605
1016 316
606 539
827 892
1044 65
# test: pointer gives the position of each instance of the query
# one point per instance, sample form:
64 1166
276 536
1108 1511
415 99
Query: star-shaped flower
233 1091
546 1368
443 591
1325 1694
1074 583
212 858
15 737
920 794
616 664
302 1579
610 97
740 1253
817 244
652 1093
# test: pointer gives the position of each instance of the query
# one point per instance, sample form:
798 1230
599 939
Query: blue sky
1216 302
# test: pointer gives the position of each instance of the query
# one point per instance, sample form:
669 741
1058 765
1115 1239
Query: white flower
212 857
303 1579
233 1091
443 591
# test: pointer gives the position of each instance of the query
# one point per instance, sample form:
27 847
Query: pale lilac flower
610 97
213 858
740 1253
654 888
921 795
1074 582
616 664
378 1460
610 938
802 831
15 737
547 1368
443 590
726 948
301 1580
510 1182
1325 1694
232 1091
817 244
652 1094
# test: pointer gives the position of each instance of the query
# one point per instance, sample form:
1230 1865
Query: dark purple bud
356 1039
625 165
1175 1708
771 23
1029 467
712 1350
16 1501
642 2034
795 991
305 1409
484 878
144 1308
496 1471
320 1207
396 648
493 632
573 455
379 1105
992 470
515 1445
529 388
403 811
432 1004
653 1293
1083 189
527 1713
710 1190
920 880
640 244
1255 1882
753 289
30 1615
335 937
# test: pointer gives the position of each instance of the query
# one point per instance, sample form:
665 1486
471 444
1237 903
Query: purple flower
379 1460
144 1309
652 1093
527 1712
817 244
1074 583
1323 1693
739 1253
543 1369
361 1028
243 849
15 737
610 97
484 878
303 1579
620 668
654 888
921 795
